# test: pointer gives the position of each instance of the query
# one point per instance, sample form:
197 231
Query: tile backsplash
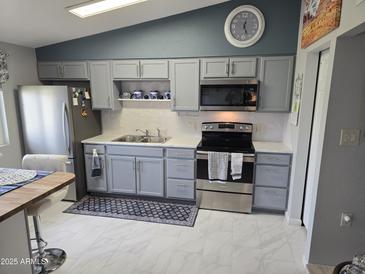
152 115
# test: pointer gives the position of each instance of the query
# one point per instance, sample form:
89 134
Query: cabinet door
121 174
243 67
184 84
154 69
215 68
150 177
95 184
126 69
276 75
101 85
75 70
49 70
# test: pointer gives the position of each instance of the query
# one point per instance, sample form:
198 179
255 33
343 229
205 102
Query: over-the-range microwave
229 95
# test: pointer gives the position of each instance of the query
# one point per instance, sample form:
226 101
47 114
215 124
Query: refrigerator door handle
65 125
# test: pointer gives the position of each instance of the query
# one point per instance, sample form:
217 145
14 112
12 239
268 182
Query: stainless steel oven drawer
177 188
227 187
224 201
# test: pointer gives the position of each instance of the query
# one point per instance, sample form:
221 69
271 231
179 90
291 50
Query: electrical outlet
346 219
350 137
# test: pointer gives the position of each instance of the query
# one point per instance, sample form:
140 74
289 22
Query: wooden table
20 198
14 237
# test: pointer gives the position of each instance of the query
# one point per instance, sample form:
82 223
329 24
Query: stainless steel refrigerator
52 123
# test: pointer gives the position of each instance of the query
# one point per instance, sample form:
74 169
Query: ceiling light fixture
91 8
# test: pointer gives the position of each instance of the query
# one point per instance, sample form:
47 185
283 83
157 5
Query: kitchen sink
154 139
142 139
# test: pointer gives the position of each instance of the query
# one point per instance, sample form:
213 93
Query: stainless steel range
230 195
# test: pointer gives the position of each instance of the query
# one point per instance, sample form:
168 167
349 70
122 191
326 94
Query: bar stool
47 260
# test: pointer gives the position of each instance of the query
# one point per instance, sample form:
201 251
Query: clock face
244 26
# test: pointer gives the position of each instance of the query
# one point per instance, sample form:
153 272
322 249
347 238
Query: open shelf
144 100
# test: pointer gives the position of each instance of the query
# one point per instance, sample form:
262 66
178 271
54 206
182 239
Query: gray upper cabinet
276 77
235 67
126 69
75 70
103 93
150 176
242 67
63 71
154 69
49 70
140 69
121 174
184 84
215 68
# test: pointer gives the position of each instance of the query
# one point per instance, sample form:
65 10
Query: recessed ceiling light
91 8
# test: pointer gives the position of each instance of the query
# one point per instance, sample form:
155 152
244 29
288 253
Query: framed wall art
320 18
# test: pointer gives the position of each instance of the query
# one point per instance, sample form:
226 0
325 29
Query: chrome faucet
146 132
158 132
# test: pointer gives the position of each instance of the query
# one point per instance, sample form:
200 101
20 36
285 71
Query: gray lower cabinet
272 175
95 184
150 176
276 77
121 174
181 173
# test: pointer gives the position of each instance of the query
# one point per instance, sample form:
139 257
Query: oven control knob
210 127
205 127
241 127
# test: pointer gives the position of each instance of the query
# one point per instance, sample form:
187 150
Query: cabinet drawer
88 149
270 198
135 151
276 176
274 159
180 189
180 153
181 169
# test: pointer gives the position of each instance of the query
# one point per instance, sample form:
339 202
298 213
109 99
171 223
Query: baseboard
292 221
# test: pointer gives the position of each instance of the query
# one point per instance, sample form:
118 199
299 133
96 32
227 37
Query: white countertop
190 141
271 147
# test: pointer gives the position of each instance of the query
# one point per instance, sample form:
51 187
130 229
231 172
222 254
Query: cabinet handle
139 176
227 68
232 68
137 67
134 165
141 71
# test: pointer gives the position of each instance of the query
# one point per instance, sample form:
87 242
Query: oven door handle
247 157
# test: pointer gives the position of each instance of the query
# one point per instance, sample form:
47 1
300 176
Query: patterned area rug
136 209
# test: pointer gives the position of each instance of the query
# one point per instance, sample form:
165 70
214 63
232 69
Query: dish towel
217 166
236 165
95 165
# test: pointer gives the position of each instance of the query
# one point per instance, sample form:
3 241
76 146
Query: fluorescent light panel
96 7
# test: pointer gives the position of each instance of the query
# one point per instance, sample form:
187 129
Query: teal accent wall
196 33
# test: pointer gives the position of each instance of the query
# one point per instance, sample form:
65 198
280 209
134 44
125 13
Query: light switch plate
350 137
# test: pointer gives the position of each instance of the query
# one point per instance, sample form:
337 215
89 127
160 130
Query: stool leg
40 245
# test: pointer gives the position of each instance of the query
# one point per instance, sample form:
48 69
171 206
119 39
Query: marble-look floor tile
219 243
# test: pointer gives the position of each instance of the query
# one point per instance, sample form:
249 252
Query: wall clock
244 26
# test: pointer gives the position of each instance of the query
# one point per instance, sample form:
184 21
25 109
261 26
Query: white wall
307 59
151 115
306 62
22 70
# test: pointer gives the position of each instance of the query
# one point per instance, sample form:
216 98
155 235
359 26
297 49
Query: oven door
228 95
242 186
